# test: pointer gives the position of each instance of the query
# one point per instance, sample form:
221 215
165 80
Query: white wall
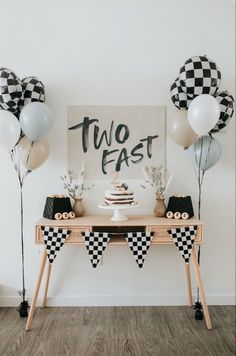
116 52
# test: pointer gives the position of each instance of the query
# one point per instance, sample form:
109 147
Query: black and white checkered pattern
33 90
96 243
180 99
11 91
183 238
54 238
226 102
139 243
199 75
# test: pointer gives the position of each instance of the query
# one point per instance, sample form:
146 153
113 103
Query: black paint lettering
149 144
136 154
104 159
85 132
118 133
98 143
121 159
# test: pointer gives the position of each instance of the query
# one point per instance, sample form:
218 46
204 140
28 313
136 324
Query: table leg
46 284
188 279
36 292
201 288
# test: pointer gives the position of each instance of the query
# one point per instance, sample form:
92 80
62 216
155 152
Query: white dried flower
156 179
75 187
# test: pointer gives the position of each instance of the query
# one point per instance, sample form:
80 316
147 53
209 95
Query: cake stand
118 210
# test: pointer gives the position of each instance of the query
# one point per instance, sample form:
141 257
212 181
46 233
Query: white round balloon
36 120
203 113
9 129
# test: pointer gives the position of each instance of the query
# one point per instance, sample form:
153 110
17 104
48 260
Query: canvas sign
119 139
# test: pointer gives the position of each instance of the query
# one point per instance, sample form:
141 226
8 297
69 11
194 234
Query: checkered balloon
11 91
226 102
183 238
180 99
33 90
199 75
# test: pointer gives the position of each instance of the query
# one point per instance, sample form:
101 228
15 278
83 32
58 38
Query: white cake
120 195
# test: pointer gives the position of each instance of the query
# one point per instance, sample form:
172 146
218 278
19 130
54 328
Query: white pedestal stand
118 211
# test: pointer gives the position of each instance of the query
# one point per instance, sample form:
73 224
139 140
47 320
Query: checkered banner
139 243
183 238
54 238
96 243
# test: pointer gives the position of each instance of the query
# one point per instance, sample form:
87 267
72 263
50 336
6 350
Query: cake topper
124 186
114 181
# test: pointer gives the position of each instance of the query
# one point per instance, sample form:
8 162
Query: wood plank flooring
118 331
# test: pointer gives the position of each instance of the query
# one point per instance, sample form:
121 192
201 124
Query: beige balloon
180 130
33 154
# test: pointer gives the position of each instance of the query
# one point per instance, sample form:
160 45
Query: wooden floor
118 331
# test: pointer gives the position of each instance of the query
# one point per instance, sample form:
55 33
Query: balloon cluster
203 110
24 121
24 118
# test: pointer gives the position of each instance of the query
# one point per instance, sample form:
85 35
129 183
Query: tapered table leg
36 292
201 289
46 284
188 279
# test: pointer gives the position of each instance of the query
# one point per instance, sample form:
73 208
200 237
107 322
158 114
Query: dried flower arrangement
75 187
157 180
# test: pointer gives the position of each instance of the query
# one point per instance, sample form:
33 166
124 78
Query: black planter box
56 205
181 205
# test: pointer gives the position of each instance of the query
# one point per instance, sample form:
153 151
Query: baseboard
108 300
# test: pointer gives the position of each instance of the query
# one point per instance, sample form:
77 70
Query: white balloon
203 113
9 129
36 120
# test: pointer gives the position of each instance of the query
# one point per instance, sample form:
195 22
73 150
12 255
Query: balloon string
22 244
198 174
21 179
198 260
200 177
208 150
28 157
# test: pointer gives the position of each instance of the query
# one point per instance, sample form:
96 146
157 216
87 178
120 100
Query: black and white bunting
96 243
54 238
139 243
183 238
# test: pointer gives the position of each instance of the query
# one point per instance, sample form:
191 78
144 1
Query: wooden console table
159 226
